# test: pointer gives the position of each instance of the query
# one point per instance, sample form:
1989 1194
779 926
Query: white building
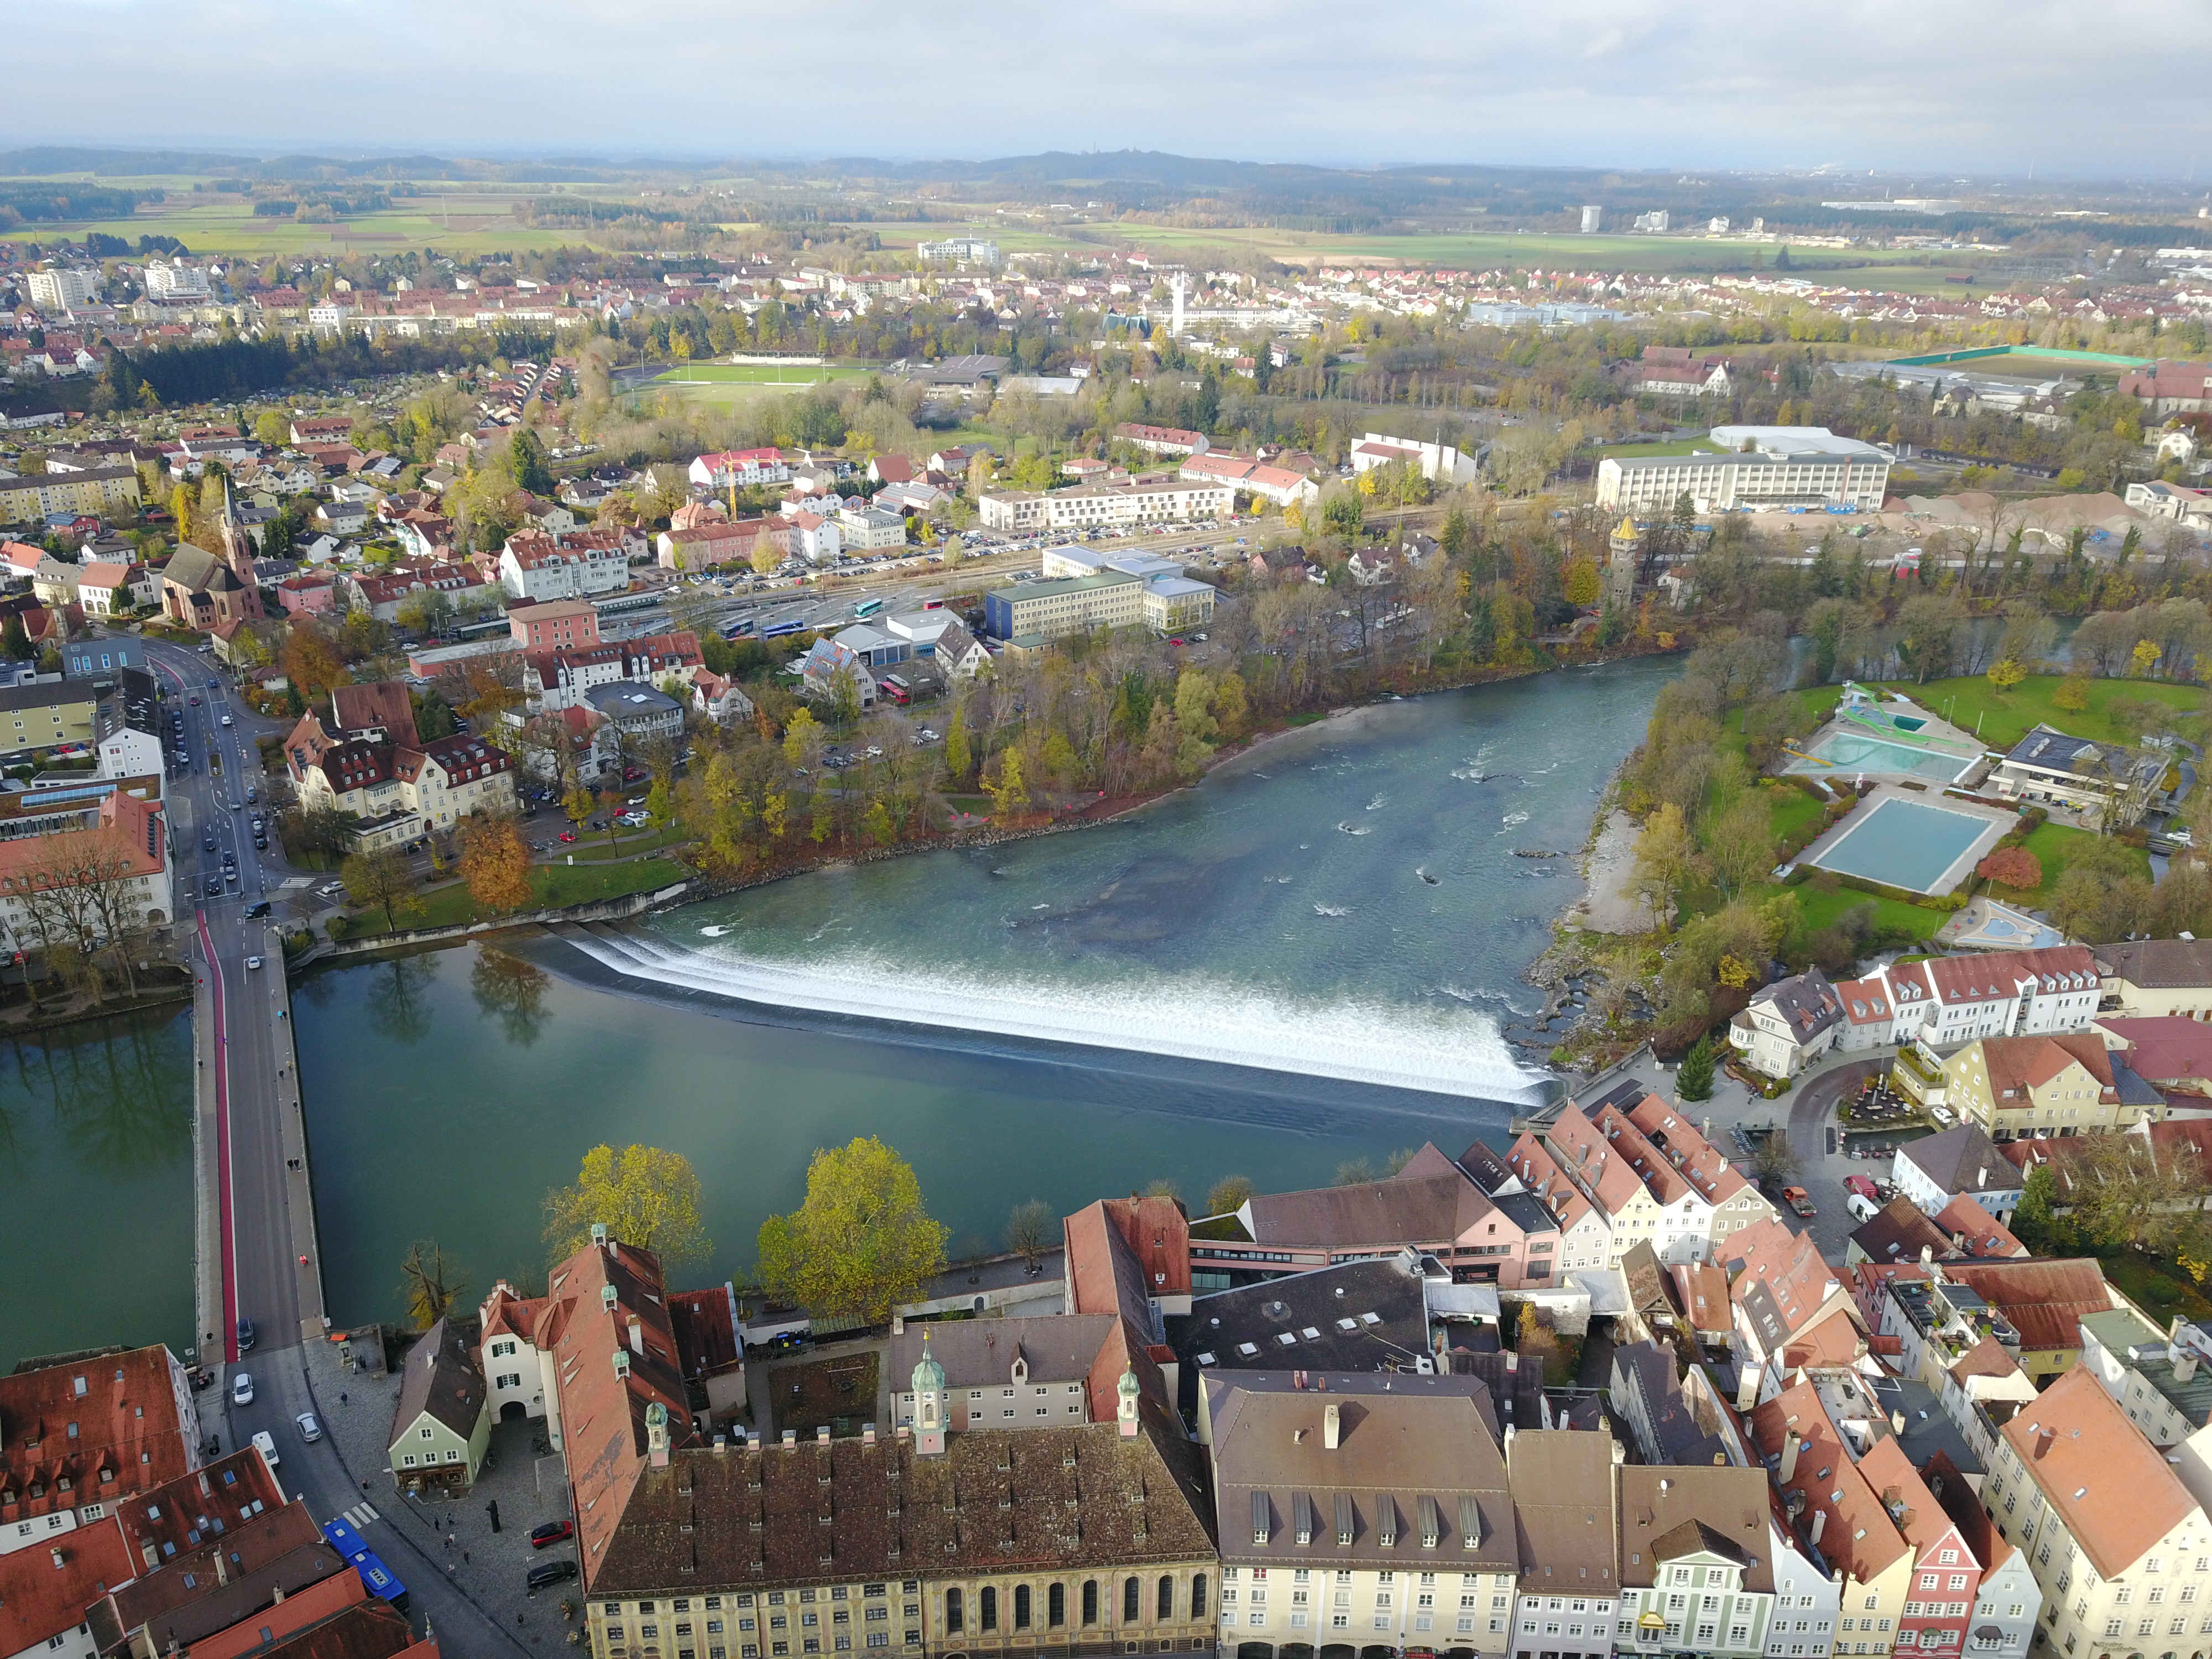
1757 466
1098 507
64 290
176 283
1441 462
1948 1000
536 567
870 529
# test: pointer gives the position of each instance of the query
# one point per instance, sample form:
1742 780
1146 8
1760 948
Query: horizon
1950 95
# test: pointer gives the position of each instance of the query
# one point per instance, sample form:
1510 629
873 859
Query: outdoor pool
1847 752
1909 844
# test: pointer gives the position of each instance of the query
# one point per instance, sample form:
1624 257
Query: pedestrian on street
342 1399
465 1556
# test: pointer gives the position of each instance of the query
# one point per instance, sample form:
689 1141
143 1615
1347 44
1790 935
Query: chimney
1789 1447
822 1434
1331 1426
636 1335
2185 1365
1819 1520
280 1593
868 1435
1927 1255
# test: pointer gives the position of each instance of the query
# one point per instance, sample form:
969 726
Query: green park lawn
2006 717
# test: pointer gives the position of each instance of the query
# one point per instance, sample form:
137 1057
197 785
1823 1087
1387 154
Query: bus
897 690
865 609
739 629
777 630
376 1578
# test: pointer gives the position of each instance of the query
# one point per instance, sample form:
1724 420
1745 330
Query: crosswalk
360 1516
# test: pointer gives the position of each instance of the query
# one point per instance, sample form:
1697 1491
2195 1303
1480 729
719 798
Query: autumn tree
311 664
1666 856
2012 867
643 1195
1009 794
384 880
2004 674
495 864
860 1245
1229 1193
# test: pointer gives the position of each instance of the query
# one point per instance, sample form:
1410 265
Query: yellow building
2024 1088
99 492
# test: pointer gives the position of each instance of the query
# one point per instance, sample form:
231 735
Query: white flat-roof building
1756 466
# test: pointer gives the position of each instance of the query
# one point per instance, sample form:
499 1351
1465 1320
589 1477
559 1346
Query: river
1312 956
97 1185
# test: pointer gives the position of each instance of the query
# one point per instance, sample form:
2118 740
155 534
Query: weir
1440 1052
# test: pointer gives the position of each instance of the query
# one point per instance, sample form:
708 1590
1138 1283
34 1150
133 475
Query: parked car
567 835
245 1336
265 1443
241 1389
546 1574
551 1533
1859 1184
1799 1200
310 1431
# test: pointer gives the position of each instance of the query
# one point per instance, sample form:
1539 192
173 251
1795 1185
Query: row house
1947 1001
1651 1176
382 592
1366 1510
711 543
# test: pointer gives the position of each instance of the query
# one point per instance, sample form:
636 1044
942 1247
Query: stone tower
1624 551
929 1405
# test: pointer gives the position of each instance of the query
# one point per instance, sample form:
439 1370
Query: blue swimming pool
1845 753
1906 843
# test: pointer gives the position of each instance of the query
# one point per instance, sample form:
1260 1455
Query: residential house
2114 1532
2159 1377
1697 1571
737 469
1585 1235
2170 1052
870 529
566 677
831 673
706 545
554 625
2042 1302
1958 1163
1901 1231
1028 1372
1645 1394
641 712
719 698
1979 1392
117 856
2007 1601
1788 1025
1566 1533
106 588
1668 1188
1147 501
369 764
1951 999
1362 1509
2155 976
1790 1309
2017 1088
1434 1206
579 565
442 1427
1357 1315
1736 1203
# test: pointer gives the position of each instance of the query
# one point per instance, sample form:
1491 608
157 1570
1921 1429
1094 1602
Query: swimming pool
1910 844
1847 752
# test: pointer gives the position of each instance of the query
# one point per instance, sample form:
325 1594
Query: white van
266 1446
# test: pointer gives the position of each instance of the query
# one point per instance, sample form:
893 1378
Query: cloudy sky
2102 88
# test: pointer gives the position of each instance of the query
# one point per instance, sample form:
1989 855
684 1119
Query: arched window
954 1614
987 1607
1198 1596
1021 1606
1133 1601
1055 1605
1090 1600
1164 1604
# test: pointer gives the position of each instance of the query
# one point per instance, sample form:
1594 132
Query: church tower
1125 1404
929 1404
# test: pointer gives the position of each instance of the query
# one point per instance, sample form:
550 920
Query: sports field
458 221
732 383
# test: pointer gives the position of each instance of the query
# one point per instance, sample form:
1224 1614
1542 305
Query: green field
453 223
2004 718
1680 446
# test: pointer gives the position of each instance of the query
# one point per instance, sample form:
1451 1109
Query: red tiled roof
41 1599
2018 1064
2043 1301
1857 1535
2109 1485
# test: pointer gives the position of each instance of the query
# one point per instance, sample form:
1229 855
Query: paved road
271 1265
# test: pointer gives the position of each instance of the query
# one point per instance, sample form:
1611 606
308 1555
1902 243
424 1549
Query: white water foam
1439 1051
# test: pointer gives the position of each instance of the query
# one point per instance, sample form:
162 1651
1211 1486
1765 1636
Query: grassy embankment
550 885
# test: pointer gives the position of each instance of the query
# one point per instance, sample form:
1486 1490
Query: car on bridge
246 1335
